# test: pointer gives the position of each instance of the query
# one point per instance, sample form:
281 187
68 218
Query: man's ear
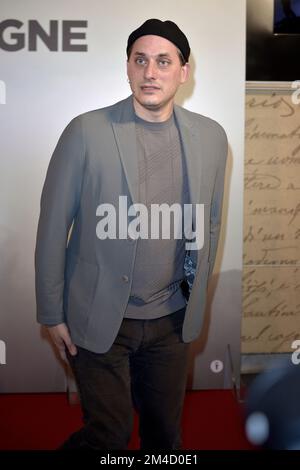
185 72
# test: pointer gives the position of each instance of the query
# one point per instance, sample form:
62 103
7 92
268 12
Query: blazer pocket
80 283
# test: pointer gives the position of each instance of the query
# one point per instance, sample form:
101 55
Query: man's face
155 72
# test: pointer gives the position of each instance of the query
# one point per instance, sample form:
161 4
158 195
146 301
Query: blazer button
125 278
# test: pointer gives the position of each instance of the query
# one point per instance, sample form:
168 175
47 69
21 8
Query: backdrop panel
81 65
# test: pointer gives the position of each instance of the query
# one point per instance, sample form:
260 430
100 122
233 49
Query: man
125 308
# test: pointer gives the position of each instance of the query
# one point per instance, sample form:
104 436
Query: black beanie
165 29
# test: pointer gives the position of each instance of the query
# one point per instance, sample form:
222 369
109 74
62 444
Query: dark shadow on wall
221 327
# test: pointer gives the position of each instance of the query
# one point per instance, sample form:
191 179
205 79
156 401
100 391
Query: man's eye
164 62
140 61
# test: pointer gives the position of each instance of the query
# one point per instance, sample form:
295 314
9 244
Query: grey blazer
85 281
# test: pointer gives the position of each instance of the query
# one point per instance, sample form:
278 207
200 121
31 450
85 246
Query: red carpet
211 420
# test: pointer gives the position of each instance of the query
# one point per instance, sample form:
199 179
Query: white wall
44 90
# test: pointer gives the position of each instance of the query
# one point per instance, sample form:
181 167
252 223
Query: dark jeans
146 367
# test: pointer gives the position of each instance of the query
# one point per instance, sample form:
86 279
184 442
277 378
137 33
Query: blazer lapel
124 131
192 154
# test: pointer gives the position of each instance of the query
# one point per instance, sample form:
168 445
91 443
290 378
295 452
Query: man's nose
150 70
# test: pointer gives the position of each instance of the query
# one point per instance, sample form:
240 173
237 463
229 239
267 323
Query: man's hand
61 337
